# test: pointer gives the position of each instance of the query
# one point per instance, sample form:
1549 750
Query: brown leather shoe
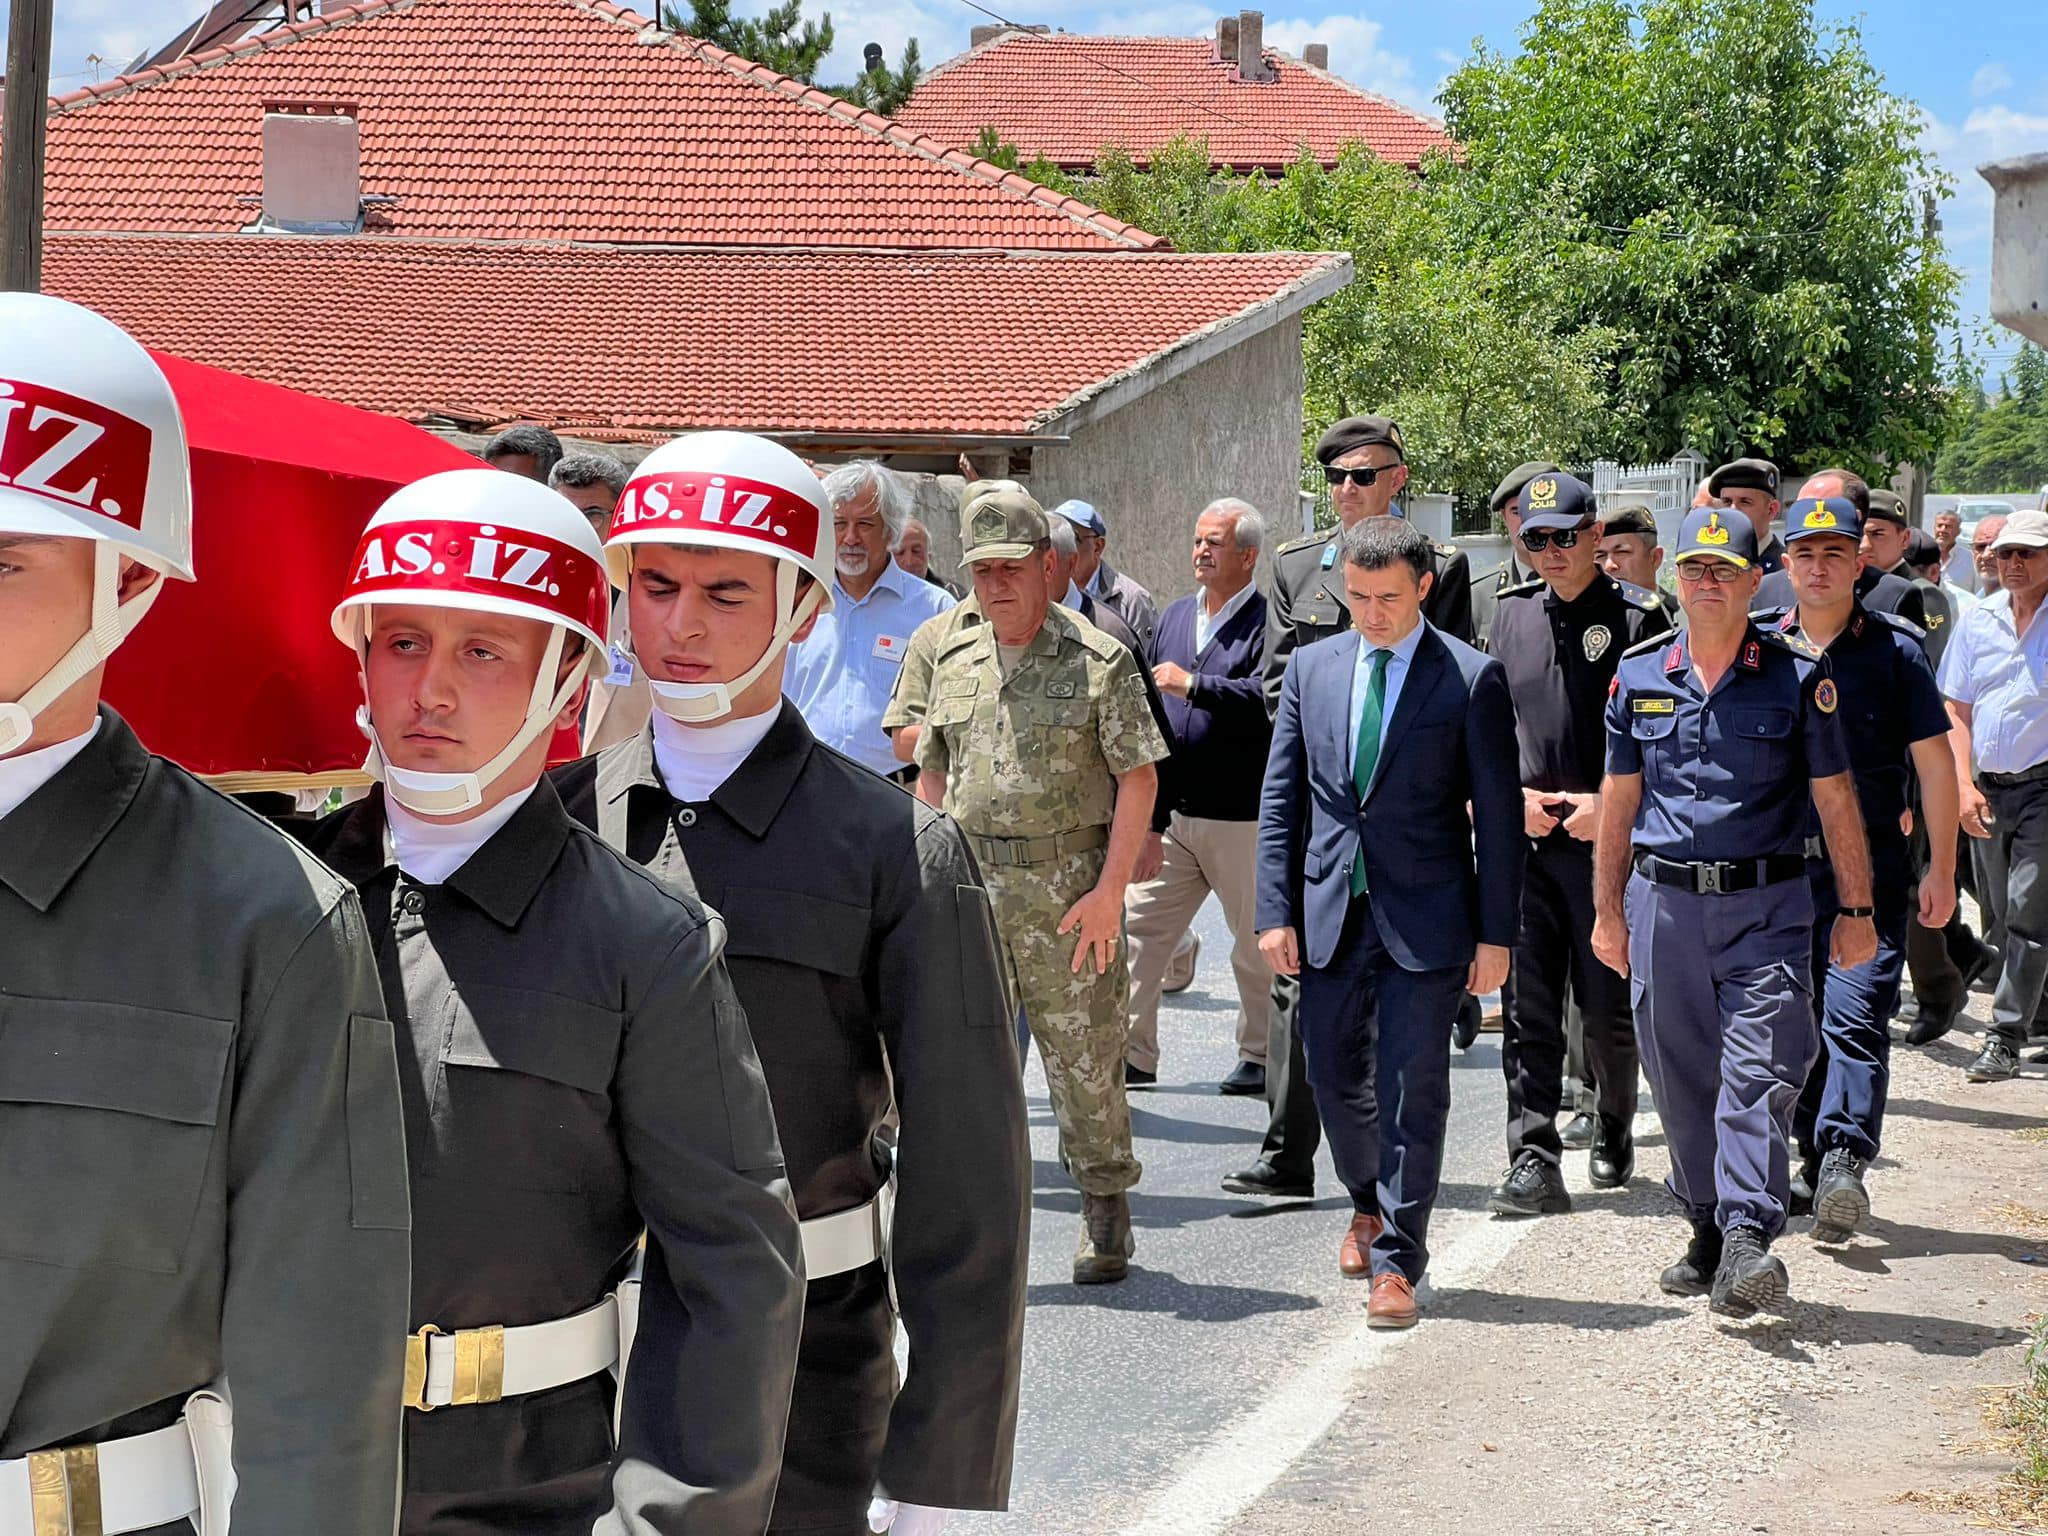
1392 1304
1354 1254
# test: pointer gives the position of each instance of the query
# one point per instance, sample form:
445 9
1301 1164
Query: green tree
883 89
1999 444
780 38
1726 188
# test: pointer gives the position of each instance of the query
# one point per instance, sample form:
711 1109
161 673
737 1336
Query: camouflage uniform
1030 763
912 695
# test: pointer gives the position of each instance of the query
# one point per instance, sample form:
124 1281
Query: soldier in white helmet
864 951
202 1170
574 1066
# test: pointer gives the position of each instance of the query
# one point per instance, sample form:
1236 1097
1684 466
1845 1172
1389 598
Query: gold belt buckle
64 1491
479 1368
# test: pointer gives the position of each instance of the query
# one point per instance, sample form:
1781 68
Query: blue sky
1978 68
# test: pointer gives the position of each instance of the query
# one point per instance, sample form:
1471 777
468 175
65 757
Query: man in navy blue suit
1390 874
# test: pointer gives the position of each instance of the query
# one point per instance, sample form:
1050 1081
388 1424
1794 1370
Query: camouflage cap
1000 520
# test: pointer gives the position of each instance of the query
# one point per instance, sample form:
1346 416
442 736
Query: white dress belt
130 1484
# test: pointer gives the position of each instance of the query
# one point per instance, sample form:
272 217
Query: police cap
1555 501
1744 474
1358 432
1810 515
1711 533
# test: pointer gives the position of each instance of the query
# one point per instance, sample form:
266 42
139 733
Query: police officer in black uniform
1560 637
863 948
1366 465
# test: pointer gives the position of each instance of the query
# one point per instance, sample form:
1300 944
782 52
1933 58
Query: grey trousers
2015 871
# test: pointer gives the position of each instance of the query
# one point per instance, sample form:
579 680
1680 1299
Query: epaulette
1642 597
1312 540
1898 621
1522 588
1650 646
1446 550
1798 645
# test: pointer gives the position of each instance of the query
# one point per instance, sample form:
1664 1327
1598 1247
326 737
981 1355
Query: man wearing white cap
577 1069
202 1172
864 951
1992 676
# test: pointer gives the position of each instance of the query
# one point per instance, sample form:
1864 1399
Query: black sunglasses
1363 476
1537 540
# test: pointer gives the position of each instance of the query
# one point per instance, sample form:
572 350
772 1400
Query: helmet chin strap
702 703
112 622
450 794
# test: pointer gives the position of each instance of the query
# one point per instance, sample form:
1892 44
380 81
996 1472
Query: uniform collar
1596 589
501 878
1749 655
755 793
1860 627
50 835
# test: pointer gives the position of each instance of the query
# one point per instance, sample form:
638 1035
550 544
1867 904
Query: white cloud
1356 53
1989 80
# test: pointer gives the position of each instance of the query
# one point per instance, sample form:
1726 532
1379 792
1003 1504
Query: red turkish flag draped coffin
238 673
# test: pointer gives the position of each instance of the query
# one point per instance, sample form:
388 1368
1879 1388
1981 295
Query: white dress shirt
2003 676
1205 627
842 674
26 772
430 851
1402 654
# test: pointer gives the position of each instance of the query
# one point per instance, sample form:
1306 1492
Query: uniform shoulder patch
1905 625
1527 588
1648 647
1642 597
1798 645
1824 696
1311 540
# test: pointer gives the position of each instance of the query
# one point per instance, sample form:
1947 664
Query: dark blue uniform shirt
1726 775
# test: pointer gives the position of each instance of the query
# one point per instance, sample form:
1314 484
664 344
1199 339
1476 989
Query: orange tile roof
605 342
541 119
1067 96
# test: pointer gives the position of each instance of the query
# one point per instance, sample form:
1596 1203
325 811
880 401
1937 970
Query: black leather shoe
1693 1274
1840 1202
1932 1024
1262 1178
1613 1162
1466 1030
1994 1064
1247 1080
1750 1278
1138 1077
1579 1131
1983 967
1803 1179
1533 1187
1908 1012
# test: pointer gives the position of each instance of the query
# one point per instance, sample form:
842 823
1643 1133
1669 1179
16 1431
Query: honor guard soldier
862 947
1715 740
1897 729
1560 639
202 1167
576 1069
1039 741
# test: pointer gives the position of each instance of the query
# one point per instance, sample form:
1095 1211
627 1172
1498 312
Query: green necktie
1367 754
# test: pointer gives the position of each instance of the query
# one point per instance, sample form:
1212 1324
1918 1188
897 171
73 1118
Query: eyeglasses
1716 573
1537 540
1362 476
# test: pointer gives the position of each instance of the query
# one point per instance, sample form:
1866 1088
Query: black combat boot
1840 1202
1749 1278
1693 1275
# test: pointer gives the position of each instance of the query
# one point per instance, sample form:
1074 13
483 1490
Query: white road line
1219 1481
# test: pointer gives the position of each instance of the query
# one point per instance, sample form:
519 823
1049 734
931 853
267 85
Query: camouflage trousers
1077 1019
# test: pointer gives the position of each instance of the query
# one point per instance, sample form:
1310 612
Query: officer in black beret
1629 552
1751 487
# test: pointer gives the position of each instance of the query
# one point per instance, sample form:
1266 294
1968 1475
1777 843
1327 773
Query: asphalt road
1233 1303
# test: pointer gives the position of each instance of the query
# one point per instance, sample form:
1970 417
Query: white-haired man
840 677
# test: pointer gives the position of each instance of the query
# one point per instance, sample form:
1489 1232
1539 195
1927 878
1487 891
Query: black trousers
1293 1128
1554 955
1935 957
839 1410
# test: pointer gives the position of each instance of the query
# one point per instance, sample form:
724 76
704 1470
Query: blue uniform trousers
1722 988
1377 1040
1843 1102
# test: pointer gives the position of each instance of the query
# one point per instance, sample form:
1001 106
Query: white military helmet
91 447
728 490
489 542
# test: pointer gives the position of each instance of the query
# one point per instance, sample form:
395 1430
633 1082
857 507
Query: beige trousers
1201 856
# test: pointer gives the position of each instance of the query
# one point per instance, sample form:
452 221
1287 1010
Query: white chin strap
450 794
702 703
112 622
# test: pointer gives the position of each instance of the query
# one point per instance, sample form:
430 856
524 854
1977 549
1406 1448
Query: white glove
907 1519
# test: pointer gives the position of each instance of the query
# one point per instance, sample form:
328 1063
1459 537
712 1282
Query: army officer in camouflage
1041 744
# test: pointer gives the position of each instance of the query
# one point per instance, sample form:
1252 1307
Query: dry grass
2021 1220
2018 1419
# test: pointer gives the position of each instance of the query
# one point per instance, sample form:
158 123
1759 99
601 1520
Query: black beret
1921 548
1744 474
1887 507
1358 432
1511 487
1634 518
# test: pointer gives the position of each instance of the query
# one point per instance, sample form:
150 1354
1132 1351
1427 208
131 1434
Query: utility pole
22 137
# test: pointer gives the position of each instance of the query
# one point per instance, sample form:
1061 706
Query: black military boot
1613 1162
1693 1275
1749 1278
1840 1202
1533 1187
1106 1241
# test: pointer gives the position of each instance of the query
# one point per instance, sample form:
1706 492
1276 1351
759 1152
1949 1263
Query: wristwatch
1855 911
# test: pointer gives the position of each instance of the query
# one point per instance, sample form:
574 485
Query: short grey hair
537 442
1251 525
1065 540
864 477
577 470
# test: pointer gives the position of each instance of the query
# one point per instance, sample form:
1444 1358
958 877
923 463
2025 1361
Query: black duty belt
1010 851
2033 775
1719 879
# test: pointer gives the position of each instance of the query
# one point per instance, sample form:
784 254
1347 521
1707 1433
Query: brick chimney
1226 38
312 169
1251 46
1316 55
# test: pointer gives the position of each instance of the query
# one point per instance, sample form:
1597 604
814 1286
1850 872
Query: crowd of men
561 1148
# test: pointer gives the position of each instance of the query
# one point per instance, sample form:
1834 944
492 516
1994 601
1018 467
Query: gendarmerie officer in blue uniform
1897 728
1560 638
1715 738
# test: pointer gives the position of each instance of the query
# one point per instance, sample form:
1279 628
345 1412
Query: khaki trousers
1201 856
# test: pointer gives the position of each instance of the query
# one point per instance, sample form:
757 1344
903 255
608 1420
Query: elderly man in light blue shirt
840 677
